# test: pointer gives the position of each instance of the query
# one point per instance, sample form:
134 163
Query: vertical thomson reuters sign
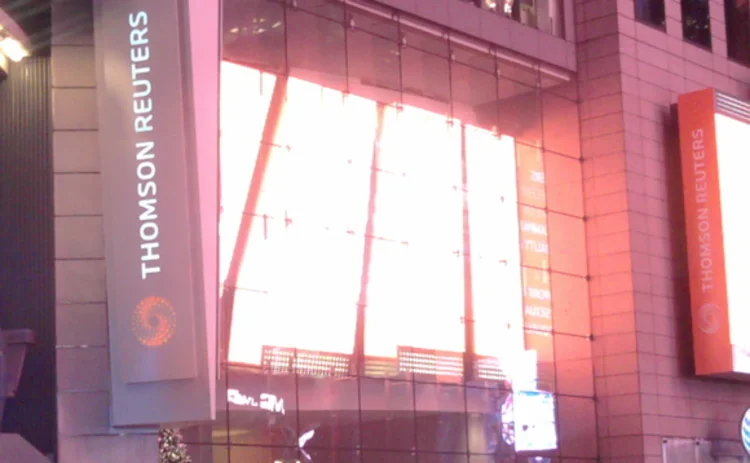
158 310
714 132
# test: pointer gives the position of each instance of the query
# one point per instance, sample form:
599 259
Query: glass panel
327 8
480 60
531 176
534 237
331 455
575 375
516 69
474 95
214 433
316 49
577 427
435 44
491 423
387 414
374 67
207 453
441 418
328 413
567 244
490 459
442 457
561 130
519 113
564 184
541 457
271 454
563 87
380 456
425 81
570 301
381 25
262 409
254 34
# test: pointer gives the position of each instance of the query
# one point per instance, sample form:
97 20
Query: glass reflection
425 80
374 66
440 416
254 34
474 104
387 414
262 410
316 49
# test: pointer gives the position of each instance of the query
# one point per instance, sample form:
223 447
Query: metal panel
27 286
733 107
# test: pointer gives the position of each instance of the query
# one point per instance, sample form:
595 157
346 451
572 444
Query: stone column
83 383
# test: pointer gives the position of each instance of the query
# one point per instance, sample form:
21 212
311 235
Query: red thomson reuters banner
714 128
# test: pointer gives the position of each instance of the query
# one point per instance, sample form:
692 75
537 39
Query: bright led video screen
714 134
369 238
732 137
352 229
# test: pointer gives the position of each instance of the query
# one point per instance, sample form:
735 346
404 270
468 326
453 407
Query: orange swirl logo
154 321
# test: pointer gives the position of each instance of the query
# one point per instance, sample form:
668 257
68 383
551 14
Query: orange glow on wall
337 209
713 144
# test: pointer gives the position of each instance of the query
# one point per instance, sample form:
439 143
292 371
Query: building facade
444 231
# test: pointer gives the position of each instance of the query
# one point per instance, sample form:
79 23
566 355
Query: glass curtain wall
403 261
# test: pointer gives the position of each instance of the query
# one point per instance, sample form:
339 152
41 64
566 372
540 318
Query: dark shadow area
35 18
678 238
27 285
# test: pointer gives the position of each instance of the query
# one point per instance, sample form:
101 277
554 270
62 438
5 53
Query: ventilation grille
488 368
732 107
430 362
283 360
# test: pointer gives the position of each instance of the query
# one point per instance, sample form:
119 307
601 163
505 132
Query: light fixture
12 39
12 48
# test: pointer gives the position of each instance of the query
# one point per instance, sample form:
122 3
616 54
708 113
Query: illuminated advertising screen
382 240
714 135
